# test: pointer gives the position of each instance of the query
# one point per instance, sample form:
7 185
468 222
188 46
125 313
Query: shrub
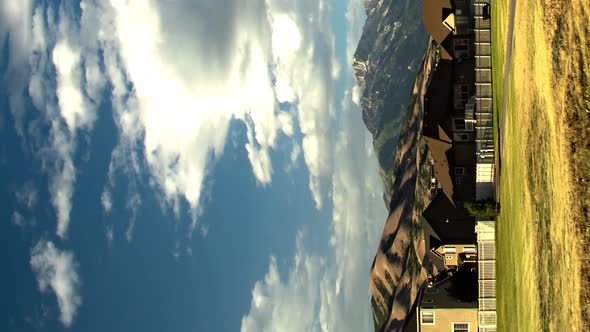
482 208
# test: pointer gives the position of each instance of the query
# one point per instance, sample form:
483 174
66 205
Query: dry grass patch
570 44
545 179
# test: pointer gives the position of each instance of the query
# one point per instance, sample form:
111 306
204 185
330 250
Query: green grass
516 302
538 285
499 23
514 278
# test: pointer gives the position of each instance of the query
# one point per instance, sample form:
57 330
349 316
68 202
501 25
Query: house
450 224
455 256
449 23
448 124
450 304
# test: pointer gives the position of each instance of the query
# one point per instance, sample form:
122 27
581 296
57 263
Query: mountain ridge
385 64
392 65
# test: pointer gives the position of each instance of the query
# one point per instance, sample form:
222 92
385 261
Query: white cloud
62 175
56 272
73 107
15 28
106 201
181 71
341 303
75 110
18 219
44 47
133 204
109 234
288 305
295 153
305 68
185 98
27 195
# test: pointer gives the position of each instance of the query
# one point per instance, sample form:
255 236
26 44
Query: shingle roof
442 169
434 15
450 223
439 143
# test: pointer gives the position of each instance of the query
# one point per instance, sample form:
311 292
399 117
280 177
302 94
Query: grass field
542 224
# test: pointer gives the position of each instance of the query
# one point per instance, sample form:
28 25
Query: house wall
451 259
444 319
464 156
464 72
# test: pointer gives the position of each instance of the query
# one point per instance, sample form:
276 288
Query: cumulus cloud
305 67
341 303
56 272
287 305
15 28
44 48
337 297
181 71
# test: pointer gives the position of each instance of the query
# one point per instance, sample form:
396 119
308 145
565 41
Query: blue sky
184 166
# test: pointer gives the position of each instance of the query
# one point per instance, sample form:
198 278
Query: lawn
539 229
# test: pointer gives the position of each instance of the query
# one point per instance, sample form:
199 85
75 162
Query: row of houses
459 295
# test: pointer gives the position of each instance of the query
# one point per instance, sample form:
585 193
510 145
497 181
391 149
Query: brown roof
438 20
452 224
437 101
442 170
436 105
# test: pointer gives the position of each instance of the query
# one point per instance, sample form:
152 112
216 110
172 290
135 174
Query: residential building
449 124
449 305
455 256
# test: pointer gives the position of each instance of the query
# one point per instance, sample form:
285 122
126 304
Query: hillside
386 62
397 271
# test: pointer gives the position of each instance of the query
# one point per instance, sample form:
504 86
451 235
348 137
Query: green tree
482 208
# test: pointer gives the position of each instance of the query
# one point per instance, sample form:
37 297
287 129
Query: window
460 137
461 20
459 170
450 250
458 124
457 180
427 317
461 95
470 250
461 44
460 327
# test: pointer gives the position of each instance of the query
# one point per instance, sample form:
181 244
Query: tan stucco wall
460 248
444 319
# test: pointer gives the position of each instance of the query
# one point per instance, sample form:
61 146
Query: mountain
398 271
385 63
393 68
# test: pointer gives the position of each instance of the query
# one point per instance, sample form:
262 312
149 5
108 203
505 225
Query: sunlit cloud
56 272
334 292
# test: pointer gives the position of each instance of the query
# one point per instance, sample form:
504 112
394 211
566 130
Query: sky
184 166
